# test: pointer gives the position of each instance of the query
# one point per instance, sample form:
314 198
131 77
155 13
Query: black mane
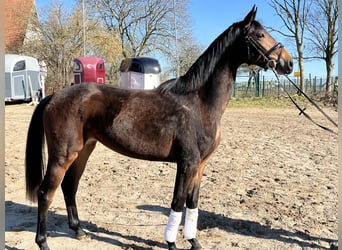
203 68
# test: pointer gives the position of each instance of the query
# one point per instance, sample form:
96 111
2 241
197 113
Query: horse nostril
290 64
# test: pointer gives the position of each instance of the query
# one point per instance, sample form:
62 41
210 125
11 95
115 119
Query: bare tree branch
294 15
322 27
142 26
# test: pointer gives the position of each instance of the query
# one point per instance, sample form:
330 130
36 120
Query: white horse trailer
21 78
140 73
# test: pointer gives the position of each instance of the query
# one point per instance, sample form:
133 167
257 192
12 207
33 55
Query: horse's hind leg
70 185
54 175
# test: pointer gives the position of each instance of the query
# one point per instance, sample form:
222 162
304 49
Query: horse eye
260 35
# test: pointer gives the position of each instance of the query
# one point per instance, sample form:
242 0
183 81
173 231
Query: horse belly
140 139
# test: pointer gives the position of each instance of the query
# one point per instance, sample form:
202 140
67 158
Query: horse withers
177 122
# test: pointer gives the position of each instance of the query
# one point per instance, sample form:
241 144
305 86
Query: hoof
44 246
81 235
41 242
172 246
195 245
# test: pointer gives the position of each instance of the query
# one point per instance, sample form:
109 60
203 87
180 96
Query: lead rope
302 110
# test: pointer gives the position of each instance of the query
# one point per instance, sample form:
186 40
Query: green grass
265 102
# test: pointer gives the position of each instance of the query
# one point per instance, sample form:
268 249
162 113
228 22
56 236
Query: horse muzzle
283 66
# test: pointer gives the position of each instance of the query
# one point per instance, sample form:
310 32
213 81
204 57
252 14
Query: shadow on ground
208 219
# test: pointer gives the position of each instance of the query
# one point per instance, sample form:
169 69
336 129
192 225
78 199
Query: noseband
269 63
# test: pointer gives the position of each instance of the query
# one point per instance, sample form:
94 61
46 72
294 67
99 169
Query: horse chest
208 139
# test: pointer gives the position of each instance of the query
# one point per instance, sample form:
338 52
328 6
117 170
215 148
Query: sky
211 17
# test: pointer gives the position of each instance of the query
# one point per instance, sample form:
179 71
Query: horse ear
250 17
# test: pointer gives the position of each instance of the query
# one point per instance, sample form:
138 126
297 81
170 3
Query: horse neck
216 92
217 68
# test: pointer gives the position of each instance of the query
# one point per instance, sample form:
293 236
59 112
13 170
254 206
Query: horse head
263 50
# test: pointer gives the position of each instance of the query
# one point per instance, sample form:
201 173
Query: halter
269 63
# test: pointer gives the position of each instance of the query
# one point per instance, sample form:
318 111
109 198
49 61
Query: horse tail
34 155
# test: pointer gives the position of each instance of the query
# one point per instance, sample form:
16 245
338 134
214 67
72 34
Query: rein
302 110
271 64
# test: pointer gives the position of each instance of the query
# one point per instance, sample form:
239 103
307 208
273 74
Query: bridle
268 63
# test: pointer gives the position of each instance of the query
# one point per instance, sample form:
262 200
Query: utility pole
84 32
176 39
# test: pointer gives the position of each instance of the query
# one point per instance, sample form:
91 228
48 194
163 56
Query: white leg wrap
171 229
190 226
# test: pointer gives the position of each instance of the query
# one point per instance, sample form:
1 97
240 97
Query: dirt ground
271 184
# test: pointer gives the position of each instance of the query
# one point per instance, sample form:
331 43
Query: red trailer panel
89 69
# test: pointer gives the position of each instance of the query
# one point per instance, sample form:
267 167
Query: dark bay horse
177 122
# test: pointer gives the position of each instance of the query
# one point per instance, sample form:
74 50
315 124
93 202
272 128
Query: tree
187 53
105 44
60 40
142 27
322 27
294 14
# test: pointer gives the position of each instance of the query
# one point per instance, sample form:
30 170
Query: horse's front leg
186 190
191 216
